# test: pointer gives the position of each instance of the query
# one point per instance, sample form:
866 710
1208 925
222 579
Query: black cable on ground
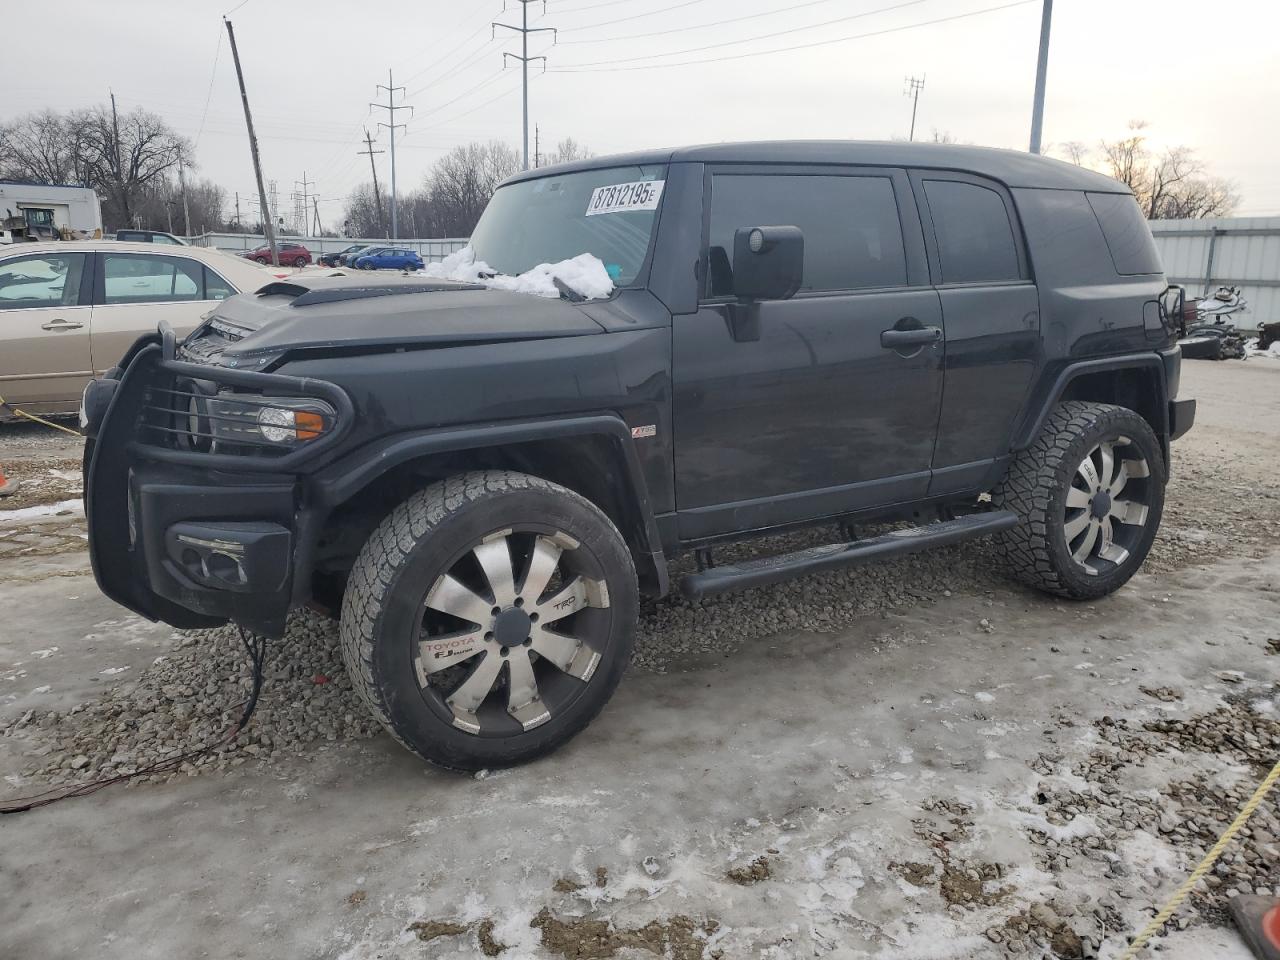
255 648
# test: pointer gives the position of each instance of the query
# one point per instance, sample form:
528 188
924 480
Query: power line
213 75
458 48
698 26
593 6
584 68
764 36
634 16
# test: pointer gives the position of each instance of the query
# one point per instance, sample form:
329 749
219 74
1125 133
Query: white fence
429 250
1237 252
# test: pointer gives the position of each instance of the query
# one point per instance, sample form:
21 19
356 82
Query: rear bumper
1182 414
192 539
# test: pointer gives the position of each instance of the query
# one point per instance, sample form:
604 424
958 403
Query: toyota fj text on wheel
482 466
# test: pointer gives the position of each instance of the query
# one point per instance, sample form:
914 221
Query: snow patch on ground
584 273
43 510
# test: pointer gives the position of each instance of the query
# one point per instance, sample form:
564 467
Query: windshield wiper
567 292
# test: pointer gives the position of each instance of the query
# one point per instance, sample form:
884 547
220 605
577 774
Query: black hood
340 313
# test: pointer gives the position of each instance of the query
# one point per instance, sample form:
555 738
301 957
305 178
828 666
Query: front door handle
897 339
61 325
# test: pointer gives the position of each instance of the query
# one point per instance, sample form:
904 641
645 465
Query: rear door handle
61 325
897 339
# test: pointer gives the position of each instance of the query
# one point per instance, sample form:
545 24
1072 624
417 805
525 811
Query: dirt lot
916 760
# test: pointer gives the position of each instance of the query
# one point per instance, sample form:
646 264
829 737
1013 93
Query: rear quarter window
1128 237
976 243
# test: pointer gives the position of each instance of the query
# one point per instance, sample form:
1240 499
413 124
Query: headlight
274 420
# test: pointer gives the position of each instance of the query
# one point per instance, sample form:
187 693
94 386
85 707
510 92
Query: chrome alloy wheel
1107 505
516 612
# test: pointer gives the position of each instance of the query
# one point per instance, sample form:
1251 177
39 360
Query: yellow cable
1206 864
31 416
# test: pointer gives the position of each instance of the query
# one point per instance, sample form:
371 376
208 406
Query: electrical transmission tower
524 30
391 107
912 90
377 194
305 185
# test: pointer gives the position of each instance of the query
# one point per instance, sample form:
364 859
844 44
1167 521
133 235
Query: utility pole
182 182
912 90
267 225
1042 69
377 194
305 184
315 205
537 148
115 127
238 222
524 30
391 107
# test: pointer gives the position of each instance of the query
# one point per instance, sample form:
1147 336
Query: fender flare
346 477
1034 421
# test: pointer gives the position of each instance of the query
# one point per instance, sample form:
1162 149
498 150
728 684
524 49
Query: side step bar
757 573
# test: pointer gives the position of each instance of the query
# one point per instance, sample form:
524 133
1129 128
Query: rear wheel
300 262
489 619
1090 494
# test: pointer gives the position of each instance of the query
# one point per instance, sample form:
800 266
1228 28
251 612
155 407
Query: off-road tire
411 549
1036 551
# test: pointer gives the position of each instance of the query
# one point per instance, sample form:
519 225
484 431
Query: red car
291 255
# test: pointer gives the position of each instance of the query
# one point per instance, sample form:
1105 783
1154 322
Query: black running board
766 570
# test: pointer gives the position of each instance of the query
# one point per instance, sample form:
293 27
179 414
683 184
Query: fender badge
648 430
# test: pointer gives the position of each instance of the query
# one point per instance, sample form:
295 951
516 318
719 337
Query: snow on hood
584 273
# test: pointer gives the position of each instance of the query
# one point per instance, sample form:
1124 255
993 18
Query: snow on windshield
584 274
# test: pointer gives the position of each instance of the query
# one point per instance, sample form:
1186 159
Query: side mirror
768 264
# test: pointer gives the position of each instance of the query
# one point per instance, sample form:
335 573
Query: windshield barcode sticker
620 197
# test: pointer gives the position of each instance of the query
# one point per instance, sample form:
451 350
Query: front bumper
188 537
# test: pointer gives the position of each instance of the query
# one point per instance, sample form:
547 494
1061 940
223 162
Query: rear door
135 291
822 414
45 318
980 269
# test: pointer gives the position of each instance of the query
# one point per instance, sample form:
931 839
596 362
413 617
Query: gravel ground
1222 502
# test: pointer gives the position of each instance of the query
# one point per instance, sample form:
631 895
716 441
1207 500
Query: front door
823 414
45 324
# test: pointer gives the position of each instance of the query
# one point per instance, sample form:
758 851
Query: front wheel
1090 494
489 619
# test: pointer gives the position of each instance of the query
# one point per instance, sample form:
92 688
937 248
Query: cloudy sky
625 74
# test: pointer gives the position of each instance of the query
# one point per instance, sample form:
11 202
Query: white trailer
43 211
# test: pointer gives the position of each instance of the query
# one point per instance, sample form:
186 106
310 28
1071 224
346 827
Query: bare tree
128 153
46 147
1174 184
464 179
362 212
568 150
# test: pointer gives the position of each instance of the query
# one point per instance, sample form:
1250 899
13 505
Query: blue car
392 258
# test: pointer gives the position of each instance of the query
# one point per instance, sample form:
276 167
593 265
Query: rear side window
139 278
1126 232
852 234
975 237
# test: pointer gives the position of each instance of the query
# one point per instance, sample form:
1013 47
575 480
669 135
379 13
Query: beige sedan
69 311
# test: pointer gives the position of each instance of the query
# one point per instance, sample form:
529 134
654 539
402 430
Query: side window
44 280
215 288
140 278
169 240
975 237
1126 232
852 234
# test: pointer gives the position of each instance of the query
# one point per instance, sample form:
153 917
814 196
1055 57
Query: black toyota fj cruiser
972 341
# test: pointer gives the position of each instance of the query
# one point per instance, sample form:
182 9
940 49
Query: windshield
608 213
